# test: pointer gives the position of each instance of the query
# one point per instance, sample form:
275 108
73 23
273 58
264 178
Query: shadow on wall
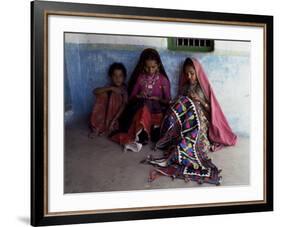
86 68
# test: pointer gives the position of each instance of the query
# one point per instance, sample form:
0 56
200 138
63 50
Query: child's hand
112 125
142 95
116 90
154 98
195 97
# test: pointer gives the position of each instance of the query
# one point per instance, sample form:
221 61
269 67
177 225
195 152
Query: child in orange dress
110 102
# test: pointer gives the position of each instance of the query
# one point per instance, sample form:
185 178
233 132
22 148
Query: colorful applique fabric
184 141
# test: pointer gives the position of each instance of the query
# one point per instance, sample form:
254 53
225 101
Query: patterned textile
185 141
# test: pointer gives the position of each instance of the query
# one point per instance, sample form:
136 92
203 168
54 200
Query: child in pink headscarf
193 125
195 84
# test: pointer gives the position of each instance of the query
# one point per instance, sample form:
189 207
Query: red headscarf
220 133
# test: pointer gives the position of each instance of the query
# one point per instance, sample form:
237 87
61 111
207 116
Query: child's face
151 67
117 77
190 74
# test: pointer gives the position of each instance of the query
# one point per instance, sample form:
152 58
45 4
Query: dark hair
147 54
117 66
182 79
187 62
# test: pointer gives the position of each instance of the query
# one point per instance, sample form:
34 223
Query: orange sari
104 111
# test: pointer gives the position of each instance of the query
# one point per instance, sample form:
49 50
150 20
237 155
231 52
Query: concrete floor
98 164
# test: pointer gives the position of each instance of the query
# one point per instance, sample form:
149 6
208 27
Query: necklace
149 83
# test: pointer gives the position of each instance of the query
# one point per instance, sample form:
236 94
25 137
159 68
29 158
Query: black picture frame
39 122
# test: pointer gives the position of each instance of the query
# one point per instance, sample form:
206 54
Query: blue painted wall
86 68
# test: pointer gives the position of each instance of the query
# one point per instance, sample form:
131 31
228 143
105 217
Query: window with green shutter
190 44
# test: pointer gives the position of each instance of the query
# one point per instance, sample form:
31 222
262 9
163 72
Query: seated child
110 102
149 92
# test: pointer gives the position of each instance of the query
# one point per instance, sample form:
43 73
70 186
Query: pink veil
220 133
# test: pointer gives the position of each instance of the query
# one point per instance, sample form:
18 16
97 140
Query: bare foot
153 147
93 134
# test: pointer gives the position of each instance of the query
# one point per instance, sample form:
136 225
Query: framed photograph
141 113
